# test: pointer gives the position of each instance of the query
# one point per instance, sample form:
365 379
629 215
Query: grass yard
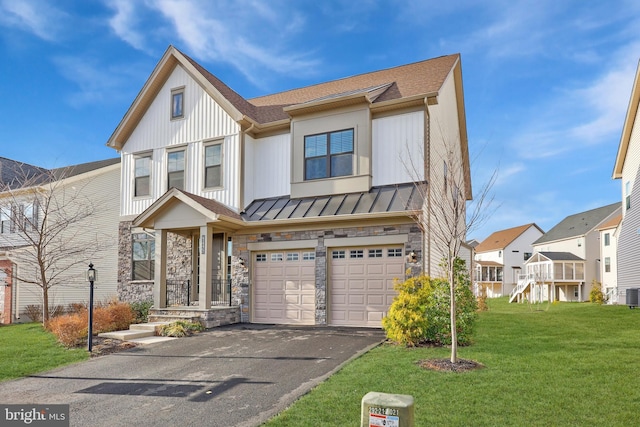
27 348
560 364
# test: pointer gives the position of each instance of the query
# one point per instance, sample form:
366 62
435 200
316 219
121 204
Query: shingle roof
16 174
388 198
561 256
612 223
419 78
578 224
501 239
212 205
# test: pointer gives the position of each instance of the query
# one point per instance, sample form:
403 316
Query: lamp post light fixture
92 275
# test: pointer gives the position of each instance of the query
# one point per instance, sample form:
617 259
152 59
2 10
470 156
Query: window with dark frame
328 155
213 166
177 103
175 169
142 179
143 256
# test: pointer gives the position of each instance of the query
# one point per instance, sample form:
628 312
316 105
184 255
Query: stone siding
211 318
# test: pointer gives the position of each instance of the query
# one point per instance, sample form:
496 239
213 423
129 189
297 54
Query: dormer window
328 155
177 103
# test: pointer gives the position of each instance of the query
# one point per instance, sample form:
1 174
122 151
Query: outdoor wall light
412 257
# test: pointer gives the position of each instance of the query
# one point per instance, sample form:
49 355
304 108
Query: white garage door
284 287
362 284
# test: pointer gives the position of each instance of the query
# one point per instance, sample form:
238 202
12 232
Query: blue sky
547 83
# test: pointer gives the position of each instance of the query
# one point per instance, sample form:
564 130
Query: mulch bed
463 365
103 346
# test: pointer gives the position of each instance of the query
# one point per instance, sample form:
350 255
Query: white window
213 166
308 256
5 220
357 253
607 239
607 265
143 256
277 257
375 253
338 254
627 193
293 256
142 180
175 169
394 253
30 217
177 103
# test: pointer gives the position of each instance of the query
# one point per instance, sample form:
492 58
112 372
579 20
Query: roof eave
632 111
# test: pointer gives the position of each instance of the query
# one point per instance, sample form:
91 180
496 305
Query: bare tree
445 218
50 230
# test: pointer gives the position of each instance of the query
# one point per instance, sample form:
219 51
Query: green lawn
27 348
563 364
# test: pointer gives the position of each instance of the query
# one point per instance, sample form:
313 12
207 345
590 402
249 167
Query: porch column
206 264
160 270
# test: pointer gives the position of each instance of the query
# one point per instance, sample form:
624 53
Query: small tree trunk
45 305
454 332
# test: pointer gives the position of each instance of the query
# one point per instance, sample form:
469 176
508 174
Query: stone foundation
211 318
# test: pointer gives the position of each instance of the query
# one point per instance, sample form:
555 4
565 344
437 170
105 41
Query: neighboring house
566 259
608 276
27 219
295 208
627 170
500 259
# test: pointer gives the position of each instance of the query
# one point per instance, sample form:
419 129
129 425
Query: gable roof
14 174
561 256
629 120
417 80
503 238
612 223
578 224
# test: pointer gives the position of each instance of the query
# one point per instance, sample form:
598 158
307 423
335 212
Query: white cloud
38 17
124 22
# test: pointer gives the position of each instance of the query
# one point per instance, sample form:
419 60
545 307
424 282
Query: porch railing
179 292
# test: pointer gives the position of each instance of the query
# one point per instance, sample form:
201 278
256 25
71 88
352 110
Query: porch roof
489 264
557 256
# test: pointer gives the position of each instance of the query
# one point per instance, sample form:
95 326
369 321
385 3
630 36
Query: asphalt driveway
239 375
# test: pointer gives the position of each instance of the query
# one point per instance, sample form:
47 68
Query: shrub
122 315
70 330
596 295
141 311
181 329
420 313
34 312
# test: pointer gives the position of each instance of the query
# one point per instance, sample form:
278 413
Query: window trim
182 149
137 157
150 240
178 91
5 220
217 142
328 156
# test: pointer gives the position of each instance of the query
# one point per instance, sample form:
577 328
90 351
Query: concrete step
151 340
127 335
149 326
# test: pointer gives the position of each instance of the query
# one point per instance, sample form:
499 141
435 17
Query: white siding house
608 276
296 207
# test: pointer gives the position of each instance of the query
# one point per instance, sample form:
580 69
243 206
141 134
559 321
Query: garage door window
337 255
276 257
375 253
394 253
308 256
293 256
261 257
358 253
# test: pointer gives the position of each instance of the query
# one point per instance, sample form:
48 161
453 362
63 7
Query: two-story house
57 220
566 259
299 207
627 170
500 259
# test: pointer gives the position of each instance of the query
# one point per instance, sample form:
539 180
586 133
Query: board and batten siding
204 121
398 149
267 167
102 186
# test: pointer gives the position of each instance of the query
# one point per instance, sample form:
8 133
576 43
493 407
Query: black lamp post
91 277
